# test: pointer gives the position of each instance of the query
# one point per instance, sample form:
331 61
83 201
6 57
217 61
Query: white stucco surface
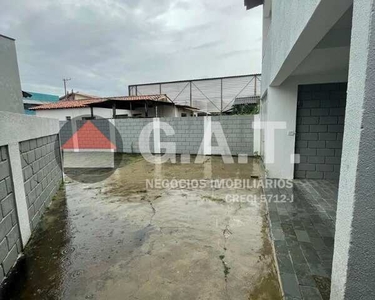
17 127
353 262
19 192
295 29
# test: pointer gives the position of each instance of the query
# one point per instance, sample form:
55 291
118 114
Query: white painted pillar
257 129
279 145
353 274
112 133
19 192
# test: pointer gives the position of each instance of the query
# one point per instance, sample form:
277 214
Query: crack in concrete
153 211
238 208
226 234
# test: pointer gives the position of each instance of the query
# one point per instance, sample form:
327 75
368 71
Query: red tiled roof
159 98
64 104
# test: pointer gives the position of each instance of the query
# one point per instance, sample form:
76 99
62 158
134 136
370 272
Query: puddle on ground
118 239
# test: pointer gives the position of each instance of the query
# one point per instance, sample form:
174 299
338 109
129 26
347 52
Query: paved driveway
118 239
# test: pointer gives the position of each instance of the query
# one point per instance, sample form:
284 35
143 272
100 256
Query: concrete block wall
239 133
10 238
24 148
188 134
42 175
320 127
128 132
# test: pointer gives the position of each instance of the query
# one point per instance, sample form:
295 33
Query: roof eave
253 3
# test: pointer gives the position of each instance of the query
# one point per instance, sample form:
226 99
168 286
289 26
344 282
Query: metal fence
213 95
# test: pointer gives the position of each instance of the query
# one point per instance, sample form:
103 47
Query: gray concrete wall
41 167
189 133
239 133
10 239
320 127
10 85
129 131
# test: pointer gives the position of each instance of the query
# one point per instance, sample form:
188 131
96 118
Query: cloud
206 45
104 45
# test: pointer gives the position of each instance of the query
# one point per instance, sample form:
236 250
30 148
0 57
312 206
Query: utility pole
65 80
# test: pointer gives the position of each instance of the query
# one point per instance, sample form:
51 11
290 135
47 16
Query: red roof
64 104
160 98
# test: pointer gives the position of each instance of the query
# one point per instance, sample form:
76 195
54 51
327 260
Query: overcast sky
104 45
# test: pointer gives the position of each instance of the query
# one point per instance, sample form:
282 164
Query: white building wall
10 85
353 273
61 114
280 105
169 111
292 30
285 24
106 113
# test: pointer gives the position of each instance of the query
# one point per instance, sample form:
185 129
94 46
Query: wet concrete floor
118 239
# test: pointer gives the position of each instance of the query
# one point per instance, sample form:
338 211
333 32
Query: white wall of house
10 85
61 114
167 111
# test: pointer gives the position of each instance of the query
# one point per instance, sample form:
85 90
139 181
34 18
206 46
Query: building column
19 192
280 104
353 274
130 109
114 111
